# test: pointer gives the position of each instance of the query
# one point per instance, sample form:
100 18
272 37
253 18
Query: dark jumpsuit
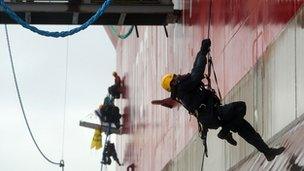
110 113
189 90
108 152
114 90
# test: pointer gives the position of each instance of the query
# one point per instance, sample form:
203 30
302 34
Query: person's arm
197 72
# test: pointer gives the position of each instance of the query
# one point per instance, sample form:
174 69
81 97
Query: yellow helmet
166 80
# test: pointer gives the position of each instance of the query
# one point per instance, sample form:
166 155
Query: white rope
21 104
65 95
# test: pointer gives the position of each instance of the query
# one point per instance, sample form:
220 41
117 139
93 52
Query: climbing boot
273 152
227 136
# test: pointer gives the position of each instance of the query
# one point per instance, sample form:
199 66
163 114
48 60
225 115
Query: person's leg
106 160
210 120
116 116
225 134
232 111
109 160
228 113
247 132
116 158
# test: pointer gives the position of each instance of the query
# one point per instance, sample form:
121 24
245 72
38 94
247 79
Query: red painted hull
240 33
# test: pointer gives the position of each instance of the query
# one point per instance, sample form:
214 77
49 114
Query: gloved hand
206 43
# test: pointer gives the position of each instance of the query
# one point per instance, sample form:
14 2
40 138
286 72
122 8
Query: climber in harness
109 151
116 89
203 103
108 112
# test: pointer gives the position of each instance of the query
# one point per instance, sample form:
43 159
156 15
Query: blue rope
55 34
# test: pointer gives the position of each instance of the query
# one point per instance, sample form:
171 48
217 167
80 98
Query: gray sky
40 66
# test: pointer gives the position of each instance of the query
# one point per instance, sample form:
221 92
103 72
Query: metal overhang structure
144 12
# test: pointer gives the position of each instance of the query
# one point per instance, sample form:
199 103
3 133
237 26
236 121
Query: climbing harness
61 163
121 36
55 34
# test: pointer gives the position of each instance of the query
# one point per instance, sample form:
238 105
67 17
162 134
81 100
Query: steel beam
161 13
89 8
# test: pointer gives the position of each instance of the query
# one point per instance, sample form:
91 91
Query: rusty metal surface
240 32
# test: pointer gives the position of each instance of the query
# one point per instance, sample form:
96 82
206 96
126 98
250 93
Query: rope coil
55 34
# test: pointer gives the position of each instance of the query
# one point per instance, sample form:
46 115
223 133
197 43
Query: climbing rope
209 18
202 166
106 139
208 55
65 97
55 34
121 36
210 64
61 163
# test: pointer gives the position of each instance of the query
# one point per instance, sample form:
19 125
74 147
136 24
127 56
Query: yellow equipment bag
96 141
